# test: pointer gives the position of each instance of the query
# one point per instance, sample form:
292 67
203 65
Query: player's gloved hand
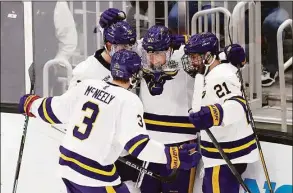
178 40
111 16
235 54
207 117
184 157
25 103
156 80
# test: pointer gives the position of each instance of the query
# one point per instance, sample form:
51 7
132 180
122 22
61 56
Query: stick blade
32 73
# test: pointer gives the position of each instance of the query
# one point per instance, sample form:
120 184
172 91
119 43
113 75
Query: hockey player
103 119
166 102
117 36
165 96
223 111
166 99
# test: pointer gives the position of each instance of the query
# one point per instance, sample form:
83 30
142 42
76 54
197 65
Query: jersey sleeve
228 91
133 136
56 110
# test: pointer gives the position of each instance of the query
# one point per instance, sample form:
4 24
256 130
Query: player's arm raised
53 110
135 139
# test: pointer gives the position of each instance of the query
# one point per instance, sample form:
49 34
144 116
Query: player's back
94 67
89 148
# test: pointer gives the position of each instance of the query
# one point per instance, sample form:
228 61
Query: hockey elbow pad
184 157
25 103
207 117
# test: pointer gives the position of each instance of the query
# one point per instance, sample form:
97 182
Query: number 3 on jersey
88 121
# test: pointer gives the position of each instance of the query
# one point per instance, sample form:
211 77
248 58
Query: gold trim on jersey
46 113
110 189
232 150
137 144
171 124
89 168
215 179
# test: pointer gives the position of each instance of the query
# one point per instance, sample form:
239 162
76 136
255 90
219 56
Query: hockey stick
196 106
141 175
252 122
32 76
166 179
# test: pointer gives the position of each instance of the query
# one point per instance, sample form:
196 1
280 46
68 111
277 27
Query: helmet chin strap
207 65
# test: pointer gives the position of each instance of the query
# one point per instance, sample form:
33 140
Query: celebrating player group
134 99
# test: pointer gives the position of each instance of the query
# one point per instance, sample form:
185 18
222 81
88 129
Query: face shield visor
116 47
197 63
157 61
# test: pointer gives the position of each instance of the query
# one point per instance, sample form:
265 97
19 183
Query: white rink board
39 167
39 170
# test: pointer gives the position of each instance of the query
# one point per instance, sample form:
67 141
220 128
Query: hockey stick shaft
141 175
141 169
196 105
165 179
252 122
20 154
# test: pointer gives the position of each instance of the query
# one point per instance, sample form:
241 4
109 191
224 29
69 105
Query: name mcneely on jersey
100 95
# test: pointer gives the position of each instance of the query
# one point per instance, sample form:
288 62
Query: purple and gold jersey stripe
86 166
137 144
46 113
233 149
241 101
170 124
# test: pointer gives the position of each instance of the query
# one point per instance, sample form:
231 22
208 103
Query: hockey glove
110 16
178 40
156 80
184 157
207 117
25 103
235 54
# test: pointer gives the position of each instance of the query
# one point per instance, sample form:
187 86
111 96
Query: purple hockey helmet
202 43
125 64
157 49
201 50
157 38
120 33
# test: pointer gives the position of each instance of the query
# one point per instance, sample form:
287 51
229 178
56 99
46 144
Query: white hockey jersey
102 120
235 136
166 115
94 67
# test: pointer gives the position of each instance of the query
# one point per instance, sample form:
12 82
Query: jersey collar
98 56
113 84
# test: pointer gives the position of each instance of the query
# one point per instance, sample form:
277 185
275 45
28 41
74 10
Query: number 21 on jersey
88 121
